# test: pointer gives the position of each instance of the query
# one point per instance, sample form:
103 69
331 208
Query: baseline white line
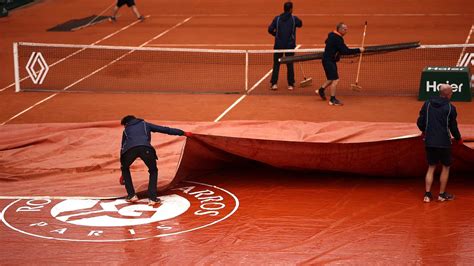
327 15
210 45
76 52
464 48
97 70
245 95
387 15
163 45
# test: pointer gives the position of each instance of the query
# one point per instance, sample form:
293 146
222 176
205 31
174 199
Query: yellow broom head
306 82
356 87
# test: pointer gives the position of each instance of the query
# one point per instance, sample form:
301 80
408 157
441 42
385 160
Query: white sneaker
154 202
132 199
290 88
274 87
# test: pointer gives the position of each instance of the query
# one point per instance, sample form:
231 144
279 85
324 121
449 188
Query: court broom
356 86
95 18
306 81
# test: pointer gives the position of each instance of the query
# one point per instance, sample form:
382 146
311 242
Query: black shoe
335 102
427 197
321 93
113 19
445 196
141 18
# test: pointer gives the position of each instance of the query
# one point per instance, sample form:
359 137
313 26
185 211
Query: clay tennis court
278 178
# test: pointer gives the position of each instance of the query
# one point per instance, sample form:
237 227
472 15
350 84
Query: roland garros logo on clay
186 208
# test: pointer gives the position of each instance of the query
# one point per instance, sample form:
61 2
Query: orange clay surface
239 212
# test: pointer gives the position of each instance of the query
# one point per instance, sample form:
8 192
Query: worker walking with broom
283 27
335 47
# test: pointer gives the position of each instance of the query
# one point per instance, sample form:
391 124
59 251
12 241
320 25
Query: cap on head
126 119
288 6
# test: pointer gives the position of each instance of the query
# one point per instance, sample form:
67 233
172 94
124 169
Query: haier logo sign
434 86
458 77
37 76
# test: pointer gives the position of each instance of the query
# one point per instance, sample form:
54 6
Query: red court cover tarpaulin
82 159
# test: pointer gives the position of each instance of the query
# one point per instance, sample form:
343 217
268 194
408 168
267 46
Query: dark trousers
276 69
148 155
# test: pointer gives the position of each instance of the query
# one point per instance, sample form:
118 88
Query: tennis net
122 69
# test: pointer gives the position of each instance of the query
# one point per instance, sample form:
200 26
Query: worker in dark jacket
283 27
136 143
335 47
437 121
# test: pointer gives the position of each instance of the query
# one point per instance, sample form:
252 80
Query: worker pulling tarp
83 158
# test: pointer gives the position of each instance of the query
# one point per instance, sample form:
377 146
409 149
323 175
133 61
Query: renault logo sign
37 76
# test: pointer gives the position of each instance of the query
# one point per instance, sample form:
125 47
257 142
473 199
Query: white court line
260 81
388 15
29 108
328 15
464 48
245 95
393 15
76 52
94 72
230 108
163 45
266 75
210 45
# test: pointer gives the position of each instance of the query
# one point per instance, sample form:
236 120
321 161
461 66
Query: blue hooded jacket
283 27
437 121
335 47
137 132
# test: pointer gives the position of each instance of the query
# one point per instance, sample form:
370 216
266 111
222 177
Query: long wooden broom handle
301 67
360 57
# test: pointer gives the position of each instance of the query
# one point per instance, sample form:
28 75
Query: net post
16 66
246 71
